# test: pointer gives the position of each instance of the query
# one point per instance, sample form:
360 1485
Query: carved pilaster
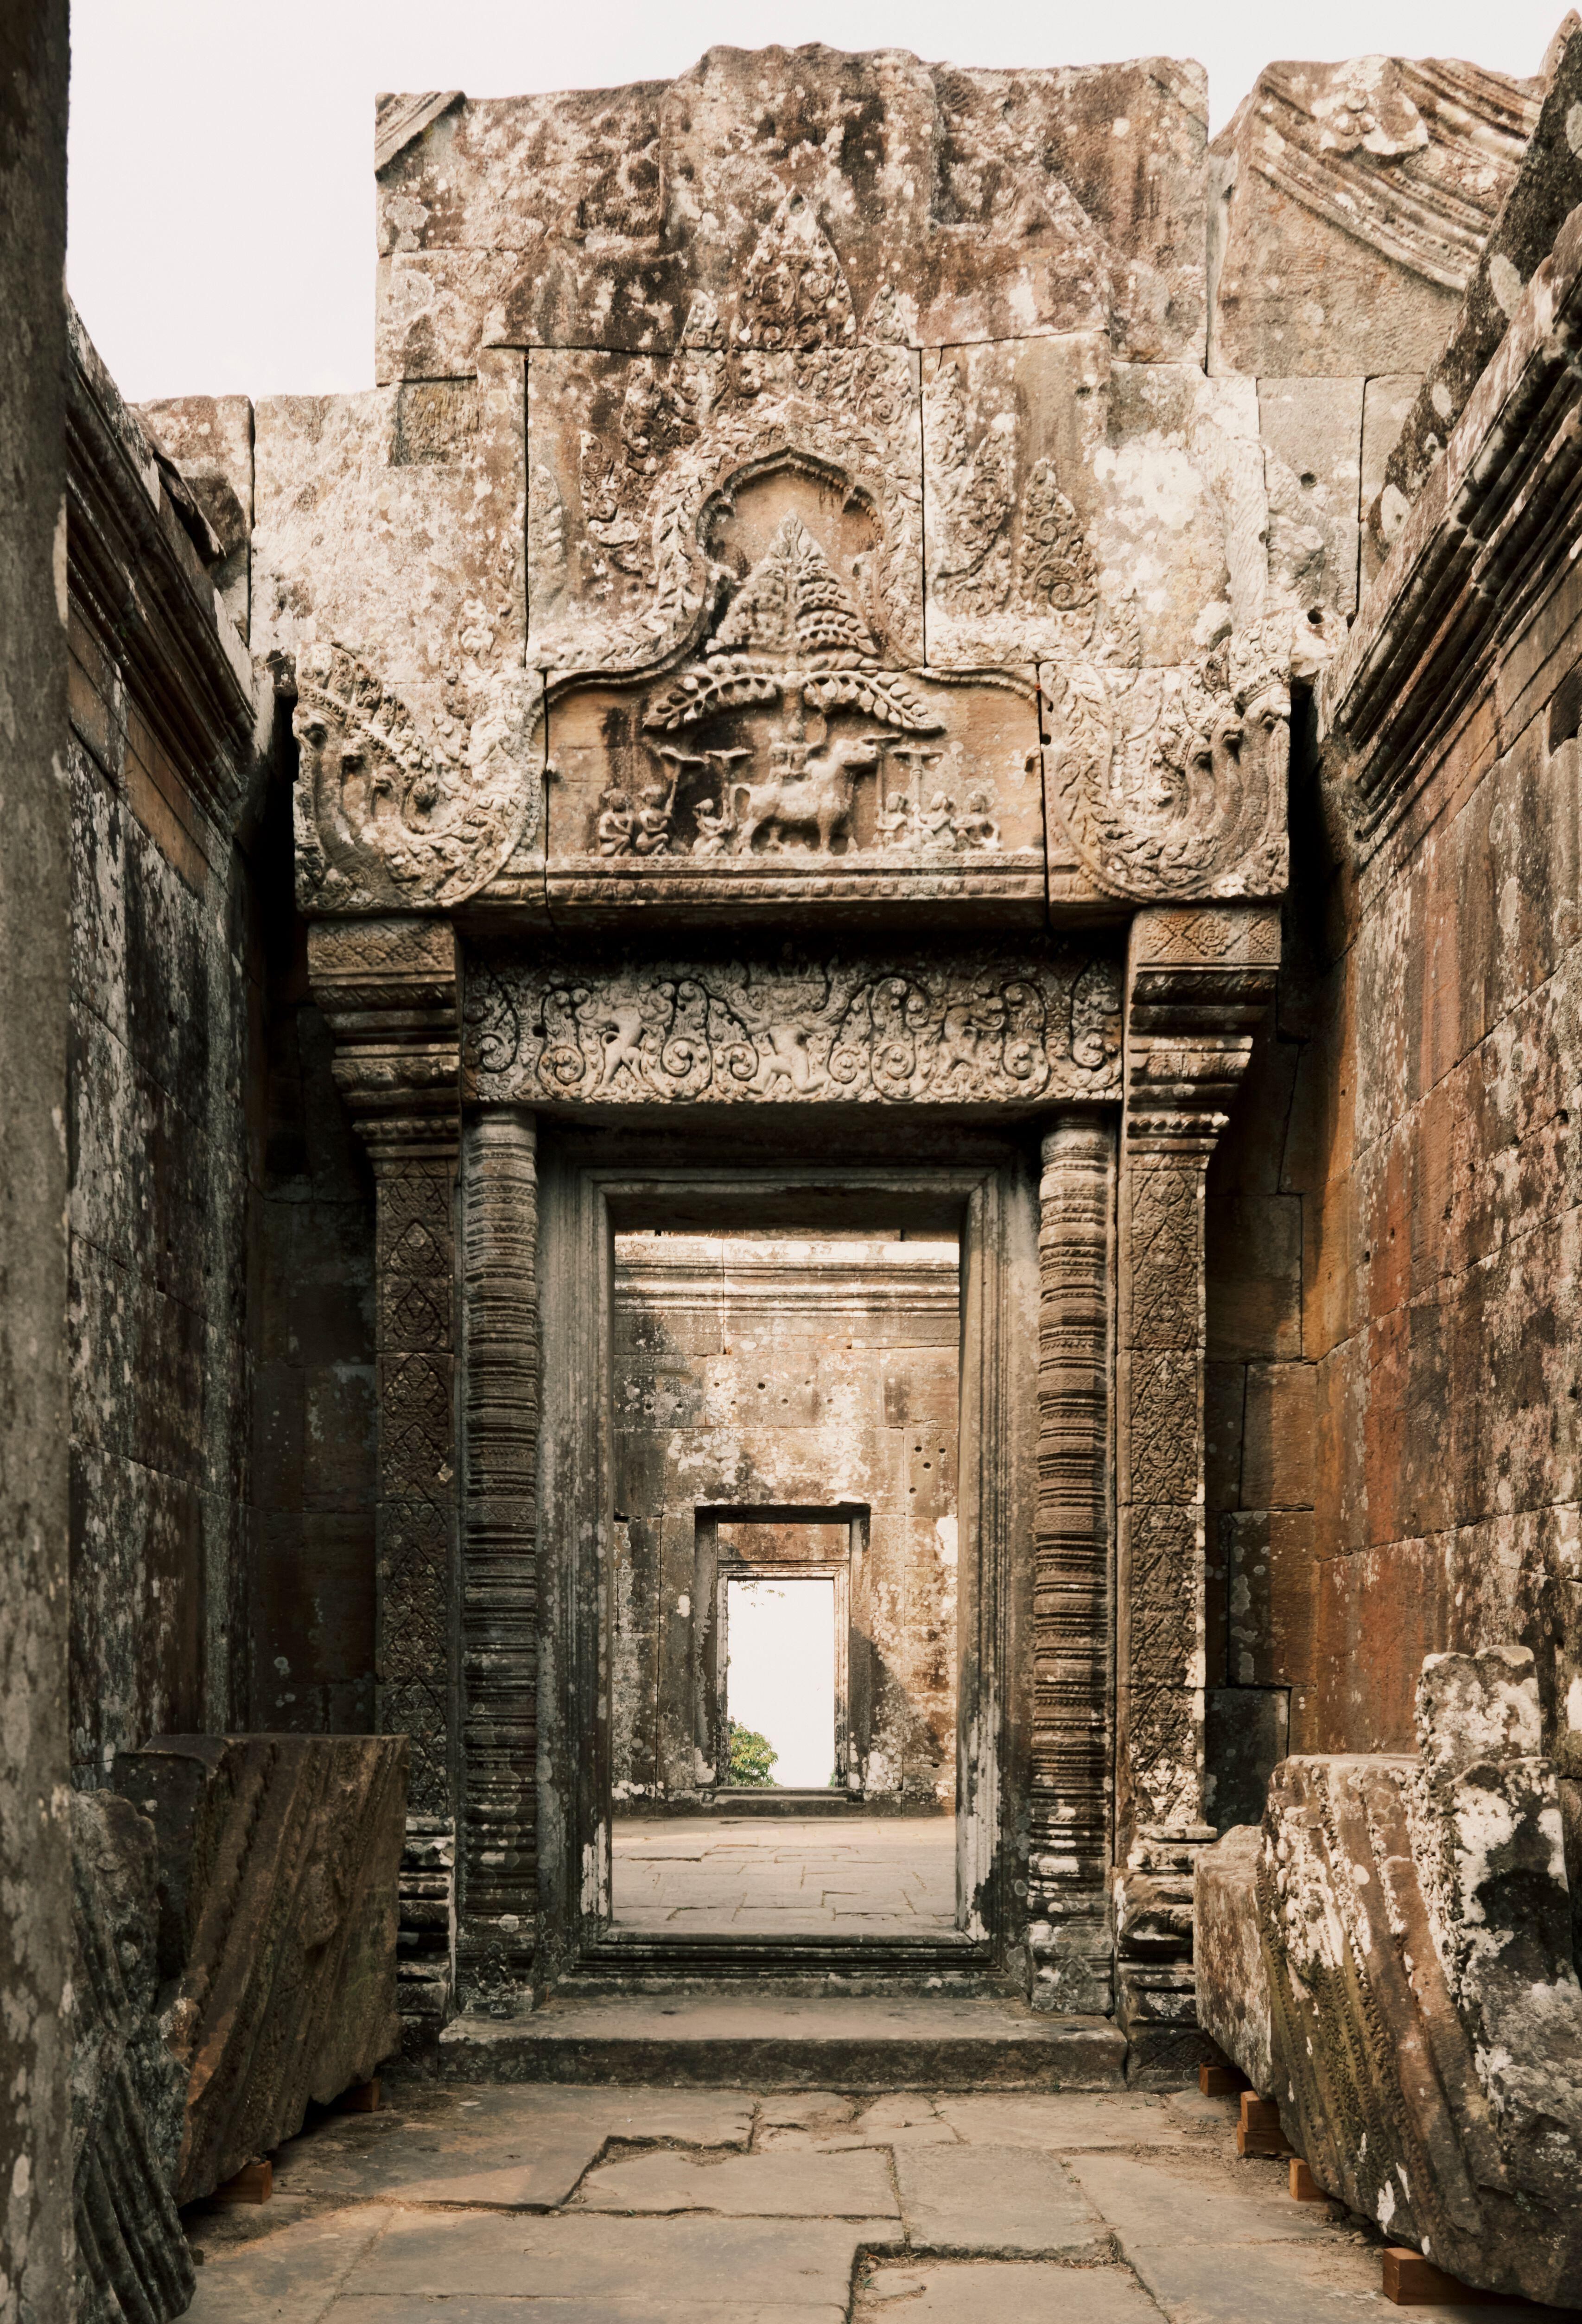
1198 982
497 1901
1070 1852
388 990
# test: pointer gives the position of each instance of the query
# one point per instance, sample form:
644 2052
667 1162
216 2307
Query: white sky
222 188
780 1678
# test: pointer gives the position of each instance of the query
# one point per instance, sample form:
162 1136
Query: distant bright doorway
779 1637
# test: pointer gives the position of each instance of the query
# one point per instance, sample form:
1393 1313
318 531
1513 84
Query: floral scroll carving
390 818
995 1031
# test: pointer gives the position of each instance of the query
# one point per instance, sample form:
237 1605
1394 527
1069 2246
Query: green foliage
752 1756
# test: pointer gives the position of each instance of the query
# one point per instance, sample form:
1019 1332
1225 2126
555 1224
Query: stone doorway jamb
1199 980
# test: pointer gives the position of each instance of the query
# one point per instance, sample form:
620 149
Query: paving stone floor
533 2204
786 1876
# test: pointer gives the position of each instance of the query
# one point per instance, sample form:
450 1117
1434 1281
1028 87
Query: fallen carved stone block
278 1861
1414 1924
1227 1955
126 2089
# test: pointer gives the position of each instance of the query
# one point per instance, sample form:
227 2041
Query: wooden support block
1220 2081
1413 2281
1304 2187
253 2184
361 2097
1258 2132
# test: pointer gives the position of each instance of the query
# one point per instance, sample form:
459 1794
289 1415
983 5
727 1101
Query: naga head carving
387 818
1171 783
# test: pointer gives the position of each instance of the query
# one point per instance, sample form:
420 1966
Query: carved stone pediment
786 756
388 817
995 1029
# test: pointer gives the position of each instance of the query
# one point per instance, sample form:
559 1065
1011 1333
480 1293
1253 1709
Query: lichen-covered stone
1416 1924
278 1856
1228 1958
940 206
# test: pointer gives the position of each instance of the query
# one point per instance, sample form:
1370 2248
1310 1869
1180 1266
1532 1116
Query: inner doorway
783 1600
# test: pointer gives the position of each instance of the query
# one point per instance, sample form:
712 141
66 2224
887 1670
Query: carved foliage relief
998 1031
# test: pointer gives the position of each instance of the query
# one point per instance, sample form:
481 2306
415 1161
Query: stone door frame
710 1657
579 1209
1114 1527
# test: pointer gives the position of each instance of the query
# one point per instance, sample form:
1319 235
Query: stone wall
1434 1107
160 759
35 1862
788 1372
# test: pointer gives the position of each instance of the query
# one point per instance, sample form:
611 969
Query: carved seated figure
977 827
650 833
714 827
614 828
894 820
937 822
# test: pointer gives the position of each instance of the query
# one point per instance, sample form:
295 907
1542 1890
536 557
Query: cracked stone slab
1061 2119
899 2120
1152 2204
522 2148
1281 2283
1005 2291
636 2268
853 2184
992 2199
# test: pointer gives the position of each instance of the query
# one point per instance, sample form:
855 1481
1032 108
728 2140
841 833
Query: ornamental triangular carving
793 602
793 294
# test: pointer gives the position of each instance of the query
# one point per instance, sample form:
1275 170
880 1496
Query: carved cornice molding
390 993
1490 533
138 584
1197 983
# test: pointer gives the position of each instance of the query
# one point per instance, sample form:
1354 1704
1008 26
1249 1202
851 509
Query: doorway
793 1621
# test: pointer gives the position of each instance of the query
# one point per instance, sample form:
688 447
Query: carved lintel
1007 1026
1197 982
1067 1905
388 990
497 1868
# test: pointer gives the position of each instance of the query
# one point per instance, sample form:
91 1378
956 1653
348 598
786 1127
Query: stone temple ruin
867 900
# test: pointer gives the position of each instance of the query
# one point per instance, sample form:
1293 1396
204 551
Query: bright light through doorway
781 1675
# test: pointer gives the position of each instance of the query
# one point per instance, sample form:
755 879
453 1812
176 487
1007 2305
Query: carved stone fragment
277 1856
387 585
1427 2019
1361 199
999 1029
1230 1976
127 2090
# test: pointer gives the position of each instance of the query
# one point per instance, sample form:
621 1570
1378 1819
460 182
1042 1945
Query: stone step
933 2043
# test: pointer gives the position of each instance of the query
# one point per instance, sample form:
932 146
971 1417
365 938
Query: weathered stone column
1198 979
497 1858
1068 1901
388 990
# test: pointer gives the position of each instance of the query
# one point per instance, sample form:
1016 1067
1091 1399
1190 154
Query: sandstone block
278 1856
1231 1977
1360 197
1416 1923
